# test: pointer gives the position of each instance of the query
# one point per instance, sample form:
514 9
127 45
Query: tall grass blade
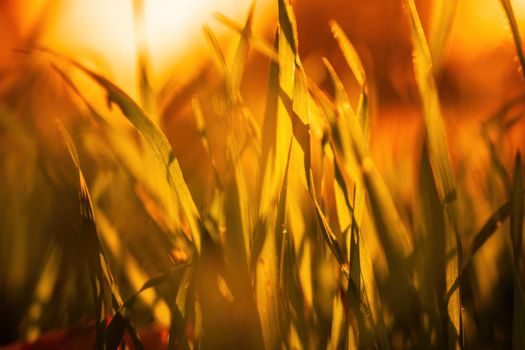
358 256
440 161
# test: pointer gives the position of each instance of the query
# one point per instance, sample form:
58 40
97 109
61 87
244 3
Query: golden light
104 31
481 25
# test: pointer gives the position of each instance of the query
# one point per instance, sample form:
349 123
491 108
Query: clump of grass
276 253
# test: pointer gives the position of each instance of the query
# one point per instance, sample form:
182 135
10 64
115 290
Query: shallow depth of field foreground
313 174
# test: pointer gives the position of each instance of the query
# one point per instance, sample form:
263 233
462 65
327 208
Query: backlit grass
290 237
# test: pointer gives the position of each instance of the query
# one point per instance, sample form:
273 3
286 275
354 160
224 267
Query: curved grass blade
134 273
488 229
156 140
129 155
509 13
121 321
153 282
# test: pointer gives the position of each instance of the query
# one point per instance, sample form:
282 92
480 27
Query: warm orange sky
106 28
102 31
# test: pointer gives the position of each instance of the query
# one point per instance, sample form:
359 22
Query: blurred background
478 71
476 74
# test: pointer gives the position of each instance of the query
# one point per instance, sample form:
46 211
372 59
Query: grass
272 248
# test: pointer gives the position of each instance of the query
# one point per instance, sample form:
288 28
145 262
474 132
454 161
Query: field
270 199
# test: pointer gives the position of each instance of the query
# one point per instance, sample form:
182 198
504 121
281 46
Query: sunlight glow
104 30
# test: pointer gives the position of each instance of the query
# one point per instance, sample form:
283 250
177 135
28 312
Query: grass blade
349 53
100 273
257 43
516 231
516 216
143 58
158 143
489 228
509 13
436 140
443 14
360 261
90 240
